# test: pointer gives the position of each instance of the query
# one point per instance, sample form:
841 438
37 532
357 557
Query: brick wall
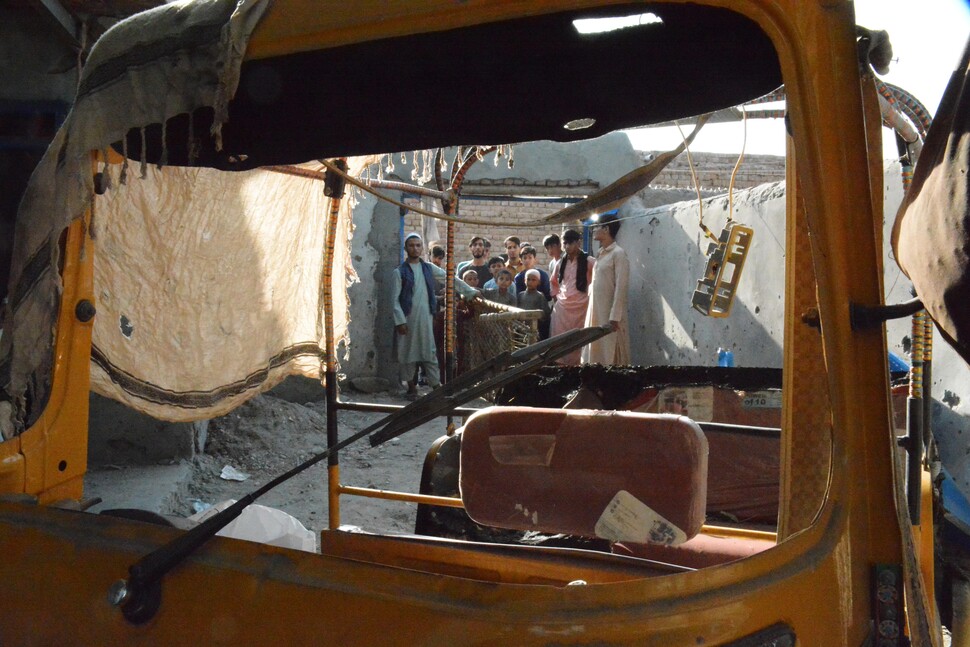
714 170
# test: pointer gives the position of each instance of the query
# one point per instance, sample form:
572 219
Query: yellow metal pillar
806 440
335 190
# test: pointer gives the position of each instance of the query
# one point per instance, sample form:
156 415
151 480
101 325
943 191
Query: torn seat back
620 476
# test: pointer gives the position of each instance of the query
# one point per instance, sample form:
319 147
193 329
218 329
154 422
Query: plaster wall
668 254
601 160
375 252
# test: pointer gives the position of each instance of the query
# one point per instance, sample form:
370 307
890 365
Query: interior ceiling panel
496 83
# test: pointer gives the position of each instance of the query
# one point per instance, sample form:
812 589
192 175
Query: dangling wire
734 173
697 188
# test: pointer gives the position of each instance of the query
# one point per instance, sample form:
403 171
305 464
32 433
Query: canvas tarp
208 287
932 229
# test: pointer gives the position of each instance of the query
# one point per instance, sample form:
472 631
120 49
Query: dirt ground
267 436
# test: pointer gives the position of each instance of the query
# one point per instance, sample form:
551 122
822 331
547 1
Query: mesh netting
495 328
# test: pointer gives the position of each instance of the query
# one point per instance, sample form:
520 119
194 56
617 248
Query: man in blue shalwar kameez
414 304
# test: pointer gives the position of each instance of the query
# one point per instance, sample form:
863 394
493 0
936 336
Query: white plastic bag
263 525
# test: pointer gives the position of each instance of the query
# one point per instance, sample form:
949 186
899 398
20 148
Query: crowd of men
575 291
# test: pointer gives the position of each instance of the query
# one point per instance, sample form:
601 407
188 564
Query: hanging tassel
427 166
124 164
144 155
193 147
163 159
105 170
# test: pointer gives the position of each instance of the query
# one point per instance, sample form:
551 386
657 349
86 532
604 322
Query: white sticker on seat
626 518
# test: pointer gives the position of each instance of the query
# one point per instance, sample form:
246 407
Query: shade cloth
207 284
208 287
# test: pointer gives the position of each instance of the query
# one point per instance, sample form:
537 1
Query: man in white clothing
607 297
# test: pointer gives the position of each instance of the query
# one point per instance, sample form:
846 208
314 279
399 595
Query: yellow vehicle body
841 512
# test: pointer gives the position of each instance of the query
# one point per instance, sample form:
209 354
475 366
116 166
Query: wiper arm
529 358
141 594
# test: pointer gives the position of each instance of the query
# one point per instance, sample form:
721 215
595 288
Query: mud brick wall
498 209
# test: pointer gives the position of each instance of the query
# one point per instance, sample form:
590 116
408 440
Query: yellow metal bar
391 495
924 539
806 440
331 358
333 496
333 471
12 468
739 533
50 458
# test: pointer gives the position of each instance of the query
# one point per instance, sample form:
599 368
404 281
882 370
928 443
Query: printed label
626 518
762 400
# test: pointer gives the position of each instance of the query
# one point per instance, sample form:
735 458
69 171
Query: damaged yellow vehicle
192 111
